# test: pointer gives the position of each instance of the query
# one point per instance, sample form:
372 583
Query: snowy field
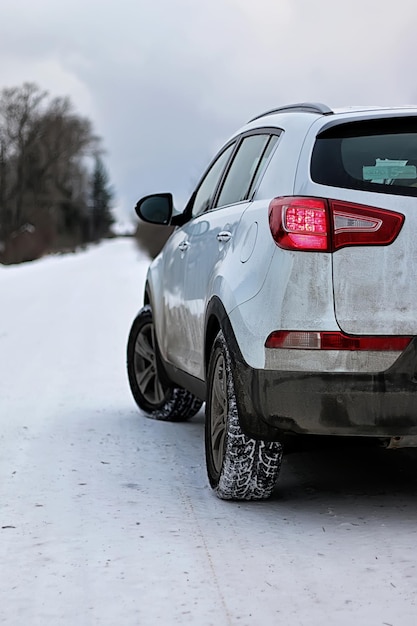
106 517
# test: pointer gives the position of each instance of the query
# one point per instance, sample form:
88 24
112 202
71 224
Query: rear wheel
152 393
238 467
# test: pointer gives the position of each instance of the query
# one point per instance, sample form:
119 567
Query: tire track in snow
188 505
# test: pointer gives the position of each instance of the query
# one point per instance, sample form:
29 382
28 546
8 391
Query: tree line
54 188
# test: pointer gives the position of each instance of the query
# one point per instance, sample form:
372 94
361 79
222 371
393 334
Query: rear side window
376 155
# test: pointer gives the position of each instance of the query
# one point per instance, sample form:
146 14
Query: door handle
184 245
223 236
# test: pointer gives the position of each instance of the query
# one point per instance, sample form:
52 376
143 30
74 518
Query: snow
106 517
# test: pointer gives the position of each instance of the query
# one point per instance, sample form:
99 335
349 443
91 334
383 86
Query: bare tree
44 177
18 108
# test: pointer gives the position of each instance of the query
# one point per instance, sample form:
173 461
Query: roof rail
308 107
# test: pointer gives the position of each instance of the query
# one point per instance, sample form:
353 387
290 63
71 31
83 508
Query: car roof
320 109
300 117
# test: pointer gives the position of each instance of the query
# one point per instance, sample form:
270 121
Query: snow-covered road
106 518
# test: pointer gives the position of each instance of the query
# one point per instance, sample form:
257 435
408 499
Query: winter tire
238 467
154 395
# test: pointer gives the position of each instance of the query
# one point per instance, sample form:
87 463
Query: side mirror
156 209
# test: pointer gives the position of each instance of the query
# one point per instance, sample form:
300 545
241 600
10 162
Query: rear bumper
382 404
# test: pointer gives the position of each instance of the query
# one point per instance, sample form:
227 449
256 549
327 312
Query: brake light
320 224
334 340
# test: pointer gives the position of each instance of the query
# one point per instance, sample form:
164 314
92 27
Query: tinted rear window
376 155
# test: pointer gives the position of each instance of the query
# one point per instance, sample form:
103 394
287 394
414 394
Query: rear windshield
376 155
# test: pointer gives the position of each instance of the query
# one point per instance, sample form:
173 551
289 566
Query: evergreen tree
101 216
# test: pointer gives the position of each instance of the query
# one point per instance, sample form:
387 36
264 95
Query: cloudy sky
165 82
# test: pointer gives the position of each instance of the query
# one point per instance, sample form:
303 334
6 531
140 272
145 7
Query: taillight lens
333 340
321 224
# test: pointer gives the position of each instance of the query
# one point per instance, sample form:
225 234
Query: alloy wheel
218 414
146 372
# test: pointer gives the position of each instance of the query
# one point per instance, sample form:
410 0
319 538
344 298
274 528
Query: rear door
214 240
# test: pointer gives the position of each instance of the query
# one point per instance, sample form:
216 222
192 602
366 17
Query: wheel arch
247 388
216 320
147 298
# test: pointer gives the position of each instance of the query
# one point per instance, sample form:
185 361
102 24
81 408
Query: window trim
251 192
237 140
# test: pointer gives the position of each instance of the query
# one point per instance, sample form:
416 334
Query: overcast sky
165 82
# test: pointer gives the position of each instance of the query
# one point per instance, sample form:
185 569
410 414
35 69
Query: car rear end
341 292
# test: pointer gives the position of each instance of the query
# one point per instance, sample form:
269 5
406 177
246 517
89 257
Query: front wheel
153 394
238 467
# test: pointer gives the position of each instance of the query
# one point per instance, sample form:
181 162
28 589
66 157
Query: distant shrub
151 238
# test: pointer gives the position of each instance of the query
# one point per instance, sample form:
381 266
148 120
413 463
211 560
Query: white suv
286 297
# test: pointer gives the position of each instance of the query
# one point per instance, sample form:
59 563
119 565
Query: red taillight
333 340
300 223
319 224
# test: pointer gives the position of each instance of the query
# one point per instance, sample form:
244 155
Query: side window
208 186
262 163
244 170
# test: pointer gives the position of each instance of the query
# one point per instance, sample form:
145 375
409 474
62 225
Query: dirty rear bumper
384 404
